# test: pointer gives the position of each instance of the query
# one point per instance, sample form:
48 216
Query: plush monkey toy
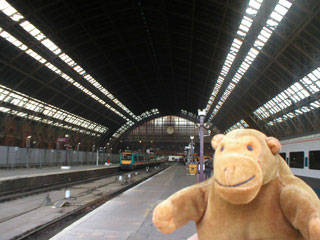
252 196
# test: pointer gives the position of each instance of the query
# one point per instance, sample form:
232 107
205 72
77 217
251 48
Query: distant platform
129 216
29 178
19 172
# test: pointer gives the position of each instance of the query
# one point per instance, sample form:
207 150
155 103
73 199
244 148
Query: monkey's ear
216 140
273 144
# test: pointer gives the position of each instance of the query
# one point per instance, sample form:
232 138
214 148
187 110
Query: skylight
271 24
190 114
122 129
7 36
239 125
148 113
293 94
11 12
126 126
40 110
244 27
296 112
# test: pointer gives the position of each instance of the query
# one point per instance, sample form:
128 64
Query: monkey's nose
228 172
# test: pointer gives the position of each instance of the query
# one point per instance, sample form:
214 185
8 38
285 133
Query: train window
126 157
314 159
296 159
283 155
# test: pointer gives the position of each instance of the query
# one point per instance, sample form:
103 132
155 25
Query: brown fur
252 196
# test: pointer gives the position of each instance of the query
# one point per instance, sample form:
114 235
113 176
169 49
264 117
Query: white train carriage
303 155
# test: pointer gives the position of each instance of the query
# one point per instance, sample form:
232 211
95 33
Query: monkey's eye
222 148
250 148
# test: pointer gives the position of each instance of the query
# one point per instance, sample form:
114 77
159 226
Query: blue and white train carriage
303 155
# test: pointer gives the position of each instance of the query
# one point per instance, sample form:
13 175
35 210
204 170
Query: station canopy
103 68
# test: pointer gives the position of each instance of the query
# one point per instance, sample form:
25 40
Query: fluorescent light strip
271 24
293 94
11 12
21 100
244 27
7 36
239 125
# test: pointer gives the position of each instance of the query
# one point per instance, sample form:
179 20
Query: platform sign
192 169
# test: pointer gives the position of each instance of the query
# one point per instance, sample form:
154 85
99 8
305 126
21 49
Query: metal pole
28 154
66 159
27 162
201 148
40 162
78 149
8 158
78 157
202 116
191 149
97 162
45 156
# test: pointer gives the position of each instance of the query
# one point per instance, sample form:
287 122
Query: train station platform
129 216
14 180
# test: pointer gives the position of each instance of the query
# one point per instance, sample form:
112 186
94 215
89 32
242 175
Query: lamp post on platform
202 114
66 163
191 147
28 141
78 149
93 149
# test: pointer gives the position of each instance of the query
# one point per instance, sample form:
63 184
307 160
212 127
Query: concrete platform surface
129 216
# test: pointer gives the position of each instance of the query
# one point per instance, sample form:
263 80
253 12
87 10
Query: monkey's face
241 166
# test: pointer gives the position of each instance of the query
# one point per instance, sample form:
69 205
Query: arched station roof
104 66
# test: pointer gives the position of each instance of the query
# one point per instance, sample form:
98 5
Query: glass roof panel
285 3
253 52
37 34
276 16
281 10
26 102
296 93
244 27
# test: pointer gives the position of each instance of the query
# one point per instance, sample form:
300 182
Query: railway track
8 196
93 195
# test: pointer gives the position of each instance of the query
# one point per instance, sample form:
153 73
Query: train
302 154
133 160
